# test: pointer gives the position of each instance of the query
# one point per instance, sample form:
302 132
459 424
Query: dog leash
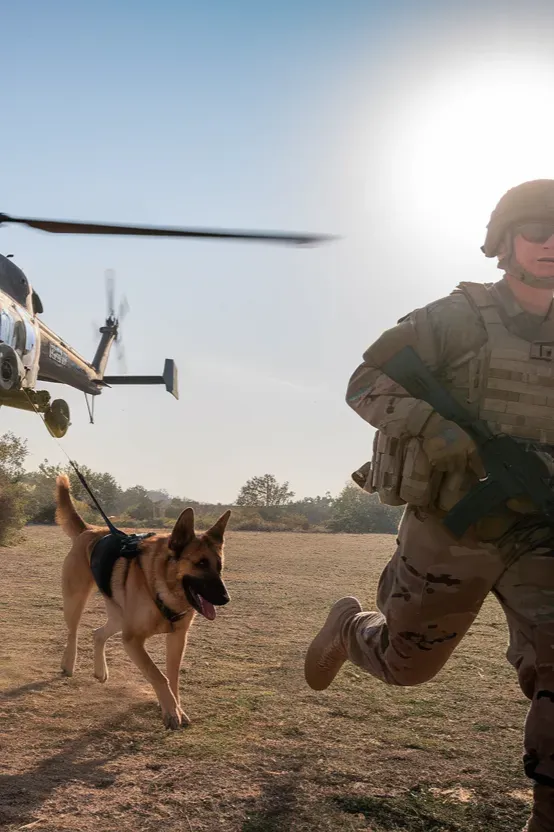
82 480
88 489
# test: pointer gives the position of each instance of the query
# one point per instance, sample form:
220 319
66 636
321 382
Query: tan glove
362 475
448 447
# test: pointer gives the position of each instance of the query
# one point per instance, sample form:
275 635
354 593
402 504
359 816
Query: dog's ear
183 531
218 529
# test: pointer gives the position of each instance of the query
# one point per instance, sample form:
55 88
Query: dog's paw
172 721
101 676
66 671
176 719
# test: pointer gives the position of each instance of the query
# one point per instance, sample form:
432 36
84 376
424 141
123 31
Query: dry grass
264 753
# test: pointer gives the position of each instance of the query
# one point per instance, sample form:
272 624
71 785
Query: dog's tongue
207 608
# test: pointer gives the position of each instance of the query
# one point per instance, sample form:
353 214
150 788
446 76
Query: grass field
263 753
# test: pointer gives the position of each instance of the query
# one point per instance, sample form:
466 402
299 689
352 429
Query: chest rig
509 383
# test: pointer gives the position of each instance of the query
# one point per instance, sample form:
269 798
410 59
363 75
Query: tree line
262 504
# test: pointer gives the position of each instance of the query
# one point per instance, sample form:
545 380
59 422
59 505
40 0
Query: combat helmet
527 202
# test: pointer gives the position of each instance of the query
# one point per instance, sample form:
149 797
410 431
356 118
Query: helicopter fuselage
43 355
59 362
31 352
40 353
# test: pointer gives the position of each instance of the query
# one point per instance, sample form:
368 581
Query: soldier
492 346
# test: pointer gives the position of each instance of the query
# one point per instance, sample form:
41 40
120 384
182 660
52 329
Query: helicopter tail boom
168 378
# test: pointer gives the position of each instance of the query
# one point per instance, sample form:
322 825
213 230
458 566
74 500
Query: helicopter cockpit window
13 281
6 328
30 336
20 336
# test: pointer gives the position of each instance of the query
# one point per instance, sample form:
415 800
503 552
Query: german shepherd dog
158 589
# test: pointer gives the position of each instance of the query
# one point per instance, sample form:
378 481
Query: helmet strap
508 263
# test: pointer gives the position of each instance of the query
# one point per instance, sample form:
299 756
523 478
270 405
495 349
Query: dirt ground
263 753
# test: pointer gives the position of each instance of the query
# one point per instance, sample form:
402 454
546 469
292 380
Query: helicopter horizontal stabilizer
169 378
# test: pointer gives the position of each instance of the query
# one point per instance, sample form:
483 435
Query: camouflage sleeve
441 333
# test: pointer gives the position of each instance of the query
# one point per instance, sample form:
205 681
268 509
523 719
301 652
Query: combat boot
327 652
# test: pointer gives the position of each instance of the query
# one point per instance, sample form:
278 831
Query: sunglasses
535 232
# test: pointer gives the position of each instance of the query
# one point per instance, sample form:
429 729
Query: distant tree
48 472
158 507
143 510
317 510
40 500
103 485
357 512
132 497
175 507
264 491
159 496
40 488
13 453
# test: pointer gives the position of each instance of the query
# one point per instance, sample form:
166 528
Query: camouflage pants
429 595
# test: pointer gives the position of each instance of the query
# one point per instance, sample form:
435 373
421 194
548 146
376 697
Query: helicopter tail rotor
110 331
115 319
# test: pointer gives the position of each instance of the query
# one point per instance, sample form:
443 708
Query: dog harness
106 553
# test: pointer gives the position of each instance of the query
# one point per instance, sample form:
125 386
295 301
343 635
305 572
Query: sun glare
457 143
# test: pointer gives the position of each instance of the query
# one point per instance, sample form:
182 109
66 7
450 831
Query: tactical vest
508 382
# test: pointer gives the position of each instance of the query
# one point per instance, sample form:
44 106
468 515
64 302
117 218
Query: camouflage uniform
494 357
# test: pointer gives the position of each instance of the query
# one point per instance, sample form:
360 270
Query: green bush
43 513
12 512
357 512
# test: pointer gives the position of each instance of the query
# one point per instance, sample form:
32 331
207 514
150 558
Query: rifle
512 468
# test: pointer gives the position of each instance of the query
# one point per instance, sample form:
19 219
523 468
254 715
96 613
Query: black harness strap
167 612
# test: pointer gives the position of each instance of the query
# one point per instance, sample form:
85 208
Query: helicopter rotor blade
124 308
110 292
74 227
120 353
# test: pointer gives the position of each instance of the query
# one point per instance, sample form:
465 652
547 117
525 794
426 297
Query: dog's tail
66 516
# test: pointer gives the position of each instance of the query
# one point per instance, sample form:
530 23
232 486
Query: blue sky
292 116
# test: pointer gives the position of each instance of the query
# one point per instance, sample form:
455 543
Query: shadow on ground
79 759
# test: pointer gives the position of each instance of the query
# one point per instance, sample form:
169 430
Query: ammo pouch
400 472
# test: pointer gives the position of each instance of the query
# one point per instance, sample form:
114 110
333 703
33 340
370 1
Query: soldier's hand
362 474
447 446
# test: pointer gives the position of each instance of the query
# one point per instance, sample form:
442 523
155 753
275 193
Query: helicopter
30 352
